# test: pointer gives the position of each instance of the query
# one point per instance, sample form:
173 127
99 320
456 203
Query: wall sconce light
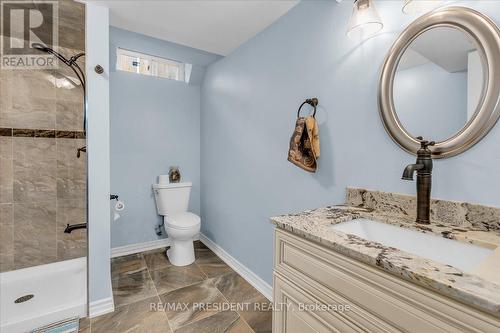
365 20
419 6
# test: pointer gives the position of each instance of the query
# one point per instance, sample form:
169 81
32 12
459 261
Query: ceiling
214 26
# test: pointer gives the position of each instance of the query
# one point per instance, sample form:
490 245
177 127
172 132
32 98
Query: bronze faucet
423 167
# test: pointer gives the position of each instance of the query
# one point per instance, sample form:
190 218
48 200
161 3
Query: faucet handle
425 143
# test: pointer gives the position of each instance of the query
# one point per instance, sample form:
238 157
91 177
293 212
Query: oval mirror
437 89
440 81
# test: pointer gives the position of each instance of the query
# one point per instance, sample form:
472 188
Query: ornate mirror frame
486 35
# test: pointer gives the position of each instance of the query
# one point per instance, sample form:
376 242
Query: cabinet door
290 317
380 302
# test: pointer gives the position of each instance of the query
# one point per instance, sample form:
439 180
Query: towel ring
312 102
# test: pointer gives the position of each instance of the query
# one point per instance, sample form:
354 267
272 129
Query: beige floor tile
126 265
203 254
199 245
214 267
235 288
227 322
258 314
181 288
255 310
132 288
209 263
138 317
156 259
174 277
189 304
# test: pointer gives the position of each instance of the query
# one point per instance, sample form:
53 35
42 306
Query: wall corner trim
252 278
101 307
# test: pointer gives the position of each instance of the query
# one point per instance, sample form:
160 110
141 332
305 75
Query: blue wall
442 99
249 103
155 123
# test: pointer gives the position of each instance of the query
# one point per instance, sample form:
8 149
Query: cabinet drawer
290 317
380 298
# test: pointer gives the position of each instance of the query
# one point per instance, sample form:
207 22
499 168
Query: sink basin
446 251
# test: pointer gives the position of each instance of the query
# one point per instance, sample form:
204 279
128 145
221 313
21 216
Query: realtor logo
25 23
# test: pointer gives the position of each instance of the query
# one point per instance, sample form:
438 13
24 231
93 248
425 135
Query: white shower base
59 289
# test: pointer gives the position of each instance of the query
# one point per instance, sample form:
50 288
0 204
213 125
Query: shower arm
71 63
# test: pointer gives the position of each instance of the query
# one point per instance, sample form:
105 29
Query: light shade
364 21
419 6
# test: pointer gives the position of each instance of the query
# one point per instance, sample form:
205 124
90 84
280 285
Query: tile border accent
5 131
262 286
40 133
101 307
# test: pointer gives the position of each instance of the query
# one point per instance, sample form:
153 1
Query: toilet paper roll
119 206
163 179
116 216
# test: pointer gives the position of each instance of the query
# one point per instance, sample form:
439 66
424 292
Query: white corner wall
97 53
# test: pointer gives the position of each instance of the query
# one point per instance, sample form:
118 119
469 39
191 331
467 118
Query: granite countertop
468 288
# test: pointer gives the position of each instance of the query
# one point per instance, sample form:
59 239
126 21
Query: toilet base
181 252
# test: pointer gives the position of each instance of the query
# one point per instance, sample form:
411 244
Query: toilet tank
172 197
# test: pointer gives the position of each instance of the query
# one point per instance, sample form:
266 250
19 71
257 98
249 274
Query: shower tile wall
42 182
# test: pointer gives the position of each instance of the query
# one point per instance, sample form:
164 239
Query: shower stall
43 182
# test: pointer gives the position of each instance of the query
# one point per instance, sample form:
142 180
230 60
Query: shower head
46 49
40 47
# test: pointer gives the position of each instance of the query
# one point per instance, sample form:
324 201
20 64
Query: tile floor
153 296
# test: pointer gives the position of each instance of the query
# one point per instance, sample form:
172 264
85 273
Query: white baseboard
141 247
100 307
245 272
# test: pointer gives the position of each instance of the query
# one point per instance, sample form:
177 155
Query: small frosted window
140 63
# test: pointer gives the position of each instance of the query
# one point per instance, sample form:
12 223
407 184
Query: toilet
172 201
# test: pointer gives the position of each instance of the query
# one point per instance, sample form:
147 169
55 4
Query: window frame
153 60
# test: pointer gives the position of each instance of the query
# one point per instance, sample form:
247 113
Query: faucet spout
423 168
409 171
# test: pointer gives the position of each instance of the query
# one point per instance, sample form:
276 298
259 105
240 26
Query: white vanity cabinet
311 282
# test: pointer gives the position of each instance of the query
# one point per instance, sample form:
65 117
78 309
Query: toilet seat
183 220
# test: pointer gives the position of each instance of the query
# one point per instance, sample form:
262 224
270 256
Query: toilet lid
182 220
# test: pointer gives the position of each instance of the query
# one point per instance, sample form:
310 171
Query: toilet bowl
182 226
181 229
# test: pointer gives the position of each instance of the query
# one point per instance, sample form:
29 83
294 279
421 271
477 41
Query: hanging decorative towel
304 143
